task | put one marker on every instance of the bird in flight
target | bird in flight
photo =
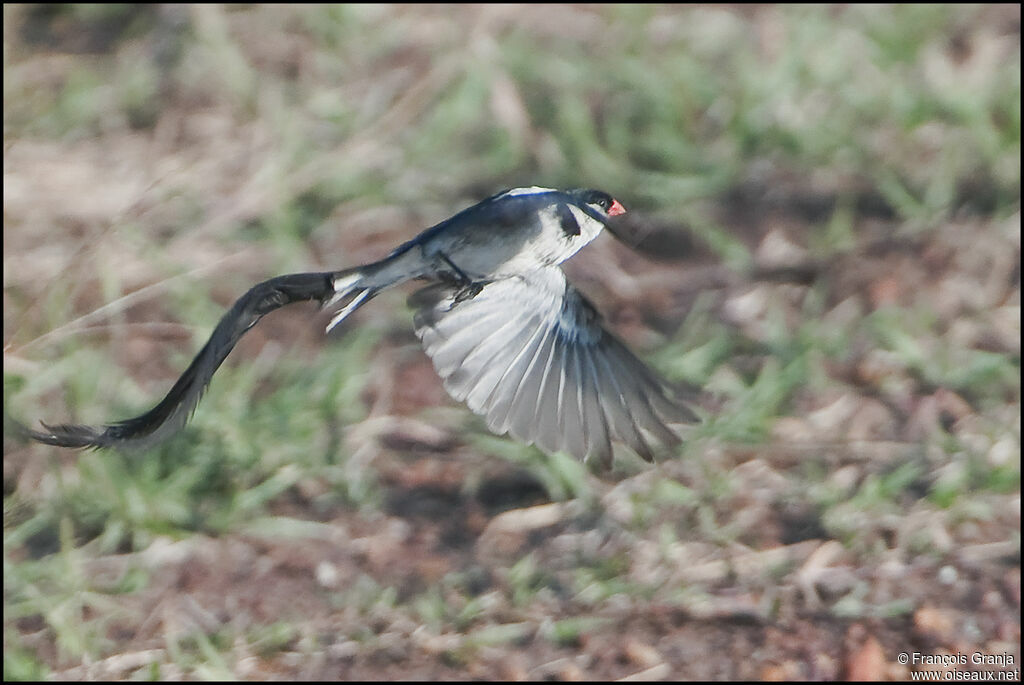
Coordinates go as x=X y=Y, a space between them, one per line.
x=506 y=332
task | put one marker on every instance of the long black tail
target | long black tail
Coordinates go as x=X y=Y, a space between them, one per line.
x=175 y=409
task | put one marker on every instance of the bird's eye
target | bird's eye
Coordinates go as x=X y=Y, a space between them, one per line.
x=597 y=199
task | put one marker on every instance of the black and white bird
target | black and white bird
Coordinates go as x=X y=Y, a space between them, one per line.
x=506 y=332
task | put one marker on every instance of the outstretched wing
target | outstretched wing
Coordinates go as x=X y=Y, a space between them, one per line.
x=529 y=354
x=174 y=410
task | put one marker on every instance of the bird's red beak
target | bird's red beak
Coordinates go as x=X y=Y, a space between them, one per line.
x=616 y=209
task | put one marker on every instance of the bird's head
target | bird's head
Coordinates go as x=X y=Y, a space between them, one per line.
x=598 y=201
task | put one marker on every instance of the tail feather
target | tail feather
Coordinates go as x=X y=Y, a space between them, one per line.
x=174 y=410
x=350 y=288
x=355 y=287
x=349 y=285
x=361 y=297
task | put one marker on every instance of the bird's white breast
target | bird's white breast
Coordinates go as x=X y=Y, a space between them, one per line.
x=551 y=244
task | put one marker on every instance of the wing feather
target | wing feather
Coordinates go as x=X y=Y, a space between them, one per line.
x=598 y=439
x=546 y=416
x=530 y=355
x=570 y=417
x=529 y=393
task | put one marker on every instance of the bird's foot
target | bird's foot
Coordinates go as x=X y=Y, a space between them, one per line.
x=467 y=292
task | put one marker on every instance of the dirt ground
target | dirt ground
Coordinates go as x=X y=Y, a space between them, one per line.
x=761 y=607
x=825 y=548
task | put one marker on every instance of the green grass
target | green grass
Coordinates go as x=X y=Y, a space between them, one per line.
x=196 y=151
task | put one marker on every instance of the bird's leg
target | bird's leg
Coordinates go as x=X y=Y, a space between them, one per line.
x=457 y=275
x=468 y=289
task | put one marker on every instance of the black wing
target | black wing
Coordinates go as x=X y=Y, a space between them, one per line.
x=529 y=354
x=174 y=410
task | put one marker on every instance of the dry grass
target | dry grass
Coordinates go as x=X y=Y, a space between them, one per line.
x=829 y=207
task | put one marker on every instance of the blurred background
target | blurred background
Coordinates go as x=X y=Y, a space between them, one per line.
x=825 y=203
